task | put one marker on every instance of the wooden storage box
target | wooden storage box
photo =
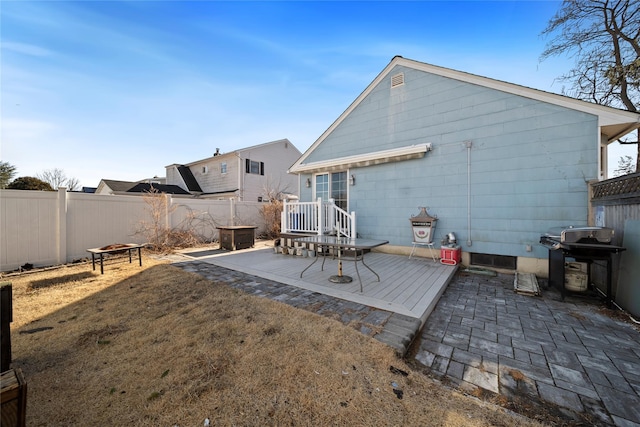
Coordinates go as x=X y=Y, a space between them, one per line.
x=237 y=237
x=14 y=398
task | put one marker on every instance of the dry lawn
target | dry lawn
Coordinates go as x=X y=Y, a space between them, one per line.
x=156 y=346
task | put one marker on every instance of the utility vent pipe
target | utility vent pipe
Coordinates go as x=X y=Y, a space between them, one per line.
x=468 y=144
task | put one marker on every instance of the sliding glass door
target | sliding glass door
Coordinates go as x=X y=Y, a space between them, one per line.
x=332 y=186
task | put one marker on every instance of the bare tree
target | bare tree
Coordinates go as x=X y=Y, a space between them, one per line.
x=57 y=178
x=625 y=166
x=195 y=229
x=72 y=184
x=603 y=36
x=271 y=211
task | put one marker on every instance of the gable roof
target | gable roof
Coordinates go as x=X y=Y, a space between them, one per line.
x=614 y=123
x=238 y=152
x=115 y=185
x=140 y=187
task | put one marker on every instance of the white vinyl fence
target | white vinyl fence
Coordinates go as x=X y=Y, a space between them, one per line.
x=49 y=228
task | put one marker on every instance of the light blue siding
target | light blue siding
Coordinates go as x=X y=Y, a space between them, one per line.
x=530 y=163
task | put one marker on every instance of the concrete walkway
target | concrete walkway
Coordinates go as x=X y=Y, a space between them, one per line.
x=572 y=353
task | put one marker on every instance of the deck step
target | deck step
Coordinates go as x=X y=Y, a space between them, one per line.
x=526 y=284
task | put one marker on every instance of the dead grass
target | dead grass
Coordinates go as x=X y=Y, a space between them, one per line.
x=156 y=346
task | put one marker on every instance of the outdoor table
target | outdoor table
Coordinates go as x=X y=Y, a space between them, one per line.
x=112 y=249
x=358 y=246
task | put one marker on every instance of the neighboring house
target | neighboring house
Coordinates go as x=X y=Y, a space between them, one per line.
x=497 y=163
x=249 y=174
x=128 y=188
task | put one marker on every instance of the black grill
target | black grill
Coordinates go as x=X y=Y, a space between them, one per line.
x=583 y=244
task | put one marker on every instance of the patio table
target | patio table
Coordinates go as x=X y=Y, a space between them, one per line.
x=358 y=246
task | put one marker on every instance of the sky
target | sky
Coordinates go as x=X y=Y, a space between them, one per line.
x=119 y=90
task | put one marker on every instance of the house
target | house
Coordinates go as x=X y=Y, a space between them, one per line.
x=129 y=188
x=249 y=174
x=497 y=163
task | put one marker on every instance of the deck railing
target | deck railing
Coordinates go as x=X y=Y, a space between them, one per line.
x=317 y=218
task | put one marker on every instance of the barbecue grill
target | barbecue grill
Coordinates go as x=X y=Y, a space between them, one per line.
x=583 y=244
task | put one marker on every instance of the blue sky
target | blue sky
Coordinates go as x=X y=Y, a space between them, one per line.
x=119 y=90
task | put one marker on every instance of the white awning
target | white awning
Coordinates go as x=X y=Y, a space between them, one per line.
x=362 y=160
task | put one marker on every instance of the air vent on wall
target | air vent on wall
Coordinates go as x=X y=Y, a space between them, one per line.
x=397 y=80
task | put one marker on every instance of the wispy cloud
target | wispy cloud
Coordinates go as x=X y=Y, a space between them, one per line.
x=25 y=48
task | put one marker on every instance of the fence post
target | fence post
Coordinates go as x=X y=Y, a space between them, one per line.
x=62 y=225
x=167 y=212
x=231 y=222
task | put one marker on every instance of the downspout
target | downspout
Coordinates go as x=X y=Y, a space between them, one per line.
x=468 y=145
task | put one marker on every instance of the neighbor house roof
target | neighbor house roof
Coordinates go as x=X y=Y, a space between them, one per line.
x=189 y=180
x=141 y=187
x=237 y=152
x=144 y=187
x=118 y=185
x=614 y=123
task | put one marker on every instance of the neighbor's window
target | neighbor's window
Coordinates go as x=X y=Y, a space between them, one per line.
x=223 y=167
x=205 y=169
x=254 y=167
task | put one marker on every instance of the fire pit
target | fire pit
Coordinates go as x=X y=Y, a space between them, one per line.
x=583 y=244
x=114 y=249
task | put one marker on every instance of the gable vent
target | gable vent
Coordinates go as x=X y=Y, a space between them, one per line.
x=397 y=80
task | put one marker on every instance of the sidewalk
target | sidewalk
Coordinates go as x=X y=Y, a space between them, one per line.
x=572 y=353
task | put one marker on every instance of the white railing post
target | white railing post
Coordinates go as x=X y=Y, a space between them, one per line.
x=319 y=209
x=332 y=218
x=283 y=217
x=352 y=231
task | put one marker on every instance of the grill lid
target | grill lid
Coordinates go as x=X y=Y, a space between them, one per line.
x=572 y=234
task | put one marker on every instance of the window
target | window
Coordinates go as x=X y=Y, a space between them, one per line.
x=205 y=169
x=223 y=167
x=253 y=167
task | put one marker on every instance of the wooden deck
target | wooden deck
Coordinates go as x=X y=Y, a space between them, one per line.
x=410 y=287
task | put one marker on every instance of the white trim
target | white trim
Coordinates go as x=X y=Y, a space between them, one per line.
x=608 y=115
x=617 y=122
x=360 y=160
